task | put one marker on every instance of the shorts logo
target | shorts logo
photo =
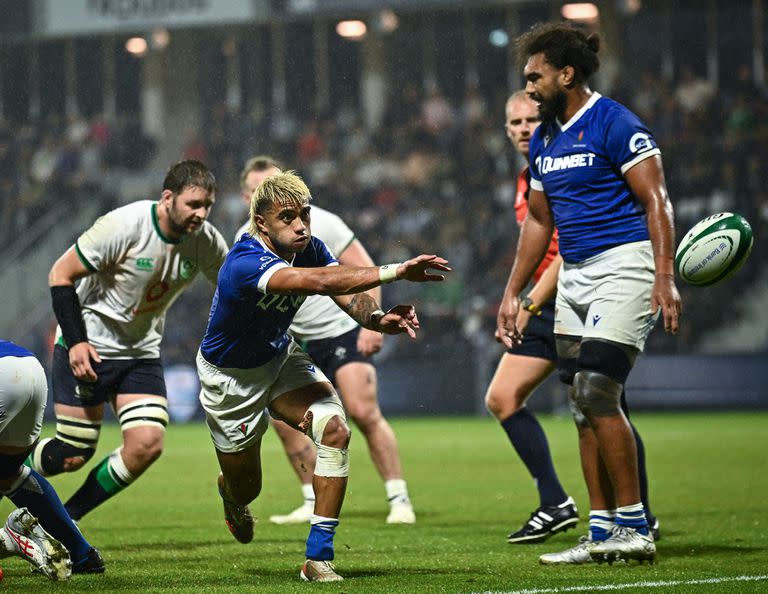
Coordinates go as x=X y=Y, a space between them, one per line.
x=187 y=268
x=595 y=319
x=311 y=368
x=340 y=352
x=243 y=428
x=83 y=391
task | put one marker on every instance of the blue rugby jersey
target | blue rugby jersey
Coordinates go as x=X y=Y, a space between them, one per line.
x=247 y=326
x=580 y=166
x=9 y=349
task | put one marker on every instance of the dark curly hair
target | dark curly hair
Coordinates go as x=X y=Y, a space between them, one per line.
x=562 y=45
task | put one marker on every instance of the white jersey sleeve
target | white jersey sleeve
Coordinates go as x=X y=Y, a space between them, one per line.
x=319 y=317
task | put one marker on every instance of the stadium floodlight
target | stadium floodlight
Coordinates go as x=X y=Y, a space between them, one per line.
x=388 y=21
x=137 y=46
x=580 y=11
x=160 y=39
x=498 y=38
x=352 y=30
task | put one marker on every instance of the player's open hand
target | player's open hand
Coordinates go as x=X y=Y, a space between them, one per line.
x=417 y=269
x=666 y=296
x=506 y=322
x=80 y=356
x=401 y=319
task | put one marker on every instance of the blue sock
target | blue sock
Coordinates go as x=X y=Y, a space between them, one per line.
x=320 y=539
x=601 y=522
x=632 y=516
x=530 y=442
x=35 y=493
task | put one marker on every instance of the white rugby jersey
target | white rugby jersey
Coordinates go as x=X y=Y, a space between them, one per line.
x=137 y=275
x=319 y=316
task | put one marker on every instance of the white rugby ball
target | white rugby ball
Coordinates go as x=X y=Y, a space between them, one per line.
x=714 y=249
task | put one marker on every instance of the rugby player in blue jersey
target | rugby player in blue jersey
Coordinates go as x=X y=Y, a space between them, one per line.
x=596 y=174
x=40 y=531
x=248 y=362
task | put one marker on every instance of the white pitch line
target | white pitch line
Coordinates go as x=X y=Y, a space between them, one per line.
x=659 y=584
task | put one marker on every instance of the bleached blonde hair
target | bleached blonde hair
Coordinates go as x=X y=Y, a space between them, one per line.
x=282 y=189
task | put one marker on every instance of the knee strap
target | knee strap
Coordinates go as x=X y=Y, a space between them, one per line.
x=147 y=412
x=333 y=462
x=49 y=455
x=320 y=412
x=596 y=394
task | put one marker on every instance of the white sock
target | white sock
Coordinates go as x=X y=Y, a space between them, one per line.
x=397 y=491
x=308 y=493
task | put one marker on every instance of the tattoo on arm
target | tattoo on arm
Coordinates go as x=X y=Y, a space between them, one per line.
x=361 y=307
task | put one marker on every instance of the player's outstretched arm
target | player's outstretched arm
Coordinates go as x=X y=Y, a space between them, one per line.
x=66 y=306
x=362 y=308
x=345 y=280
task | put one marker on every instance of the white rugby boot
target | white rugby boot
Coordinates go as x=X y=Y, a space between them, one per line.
x=25 y=537
x=401 y=513
x=301 y=515
x=578 y=555
x=319 y=571
x=624 y=544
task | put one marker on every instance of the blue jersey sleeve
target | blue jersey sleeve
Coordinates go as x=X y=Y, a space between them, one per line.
x=534 y=151
x=627 y=140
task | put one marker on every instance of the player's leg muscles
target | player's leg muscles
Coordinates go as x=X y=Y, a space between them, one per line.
x=298 y=447
x=515 y=380
x=242 y=473
x=598 y=385
x=77 y=435
x=316 y=410
x=358 y=389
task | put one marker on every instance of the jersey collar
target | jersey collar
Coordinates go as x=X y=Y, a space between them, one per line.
x=260 y=239
x=590 y=102
x=156 y=225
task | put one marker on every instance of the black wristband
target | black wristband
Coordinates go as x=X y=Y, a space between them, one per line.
x=66 y=307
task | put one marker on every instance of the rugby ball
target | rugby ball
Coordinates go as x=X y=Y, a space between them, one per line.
x=713 y=249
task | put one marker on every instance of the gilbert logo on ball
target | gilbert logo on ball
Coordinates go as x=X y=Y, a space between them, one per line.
x=714 y=249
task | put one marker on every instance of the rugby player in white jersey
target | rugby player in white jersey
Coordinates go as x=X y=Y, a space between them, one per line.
x=596 y=175
x=132 y=264
x=343 y=350
x=248 y=363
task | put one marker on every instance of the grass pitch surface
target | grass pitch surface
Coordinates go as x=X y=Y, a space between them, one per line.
x=709 y=488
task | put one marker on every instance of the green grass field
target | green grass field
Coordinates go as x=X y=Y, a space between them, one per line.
x=166 y=534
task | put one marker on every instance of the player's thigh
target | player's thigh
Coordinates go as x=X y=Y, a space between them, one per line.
x=23 y=396
x=516 y=377
x=291 y=406
x=623 y=281
x=358 y=387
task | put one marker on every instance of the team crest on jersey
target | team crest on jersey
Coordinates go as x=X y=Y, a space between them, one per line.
x=144 y=263
x=187 y=268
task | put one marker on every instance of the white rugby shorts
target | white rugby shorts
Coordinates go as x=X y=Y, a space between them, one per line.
x=23 y=396
x=608 y=296
x=235 y=400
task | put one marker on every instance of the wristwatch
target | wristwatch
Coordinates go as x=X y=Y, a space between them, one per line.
x=527 y=304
